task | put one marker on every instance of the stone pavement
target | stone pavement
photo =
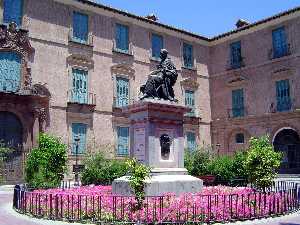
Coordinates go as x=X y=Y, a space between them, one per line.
x=9 y=217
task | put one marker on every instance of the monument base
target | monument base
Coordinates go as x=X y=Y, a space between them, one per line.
x=159 y=184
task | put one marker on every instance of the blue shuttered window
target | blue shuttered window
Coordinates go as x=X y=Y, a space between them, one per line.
x=123 y=141
x=122 y=92
x=157 y=45
x=238 y=103
x=79 y=89
x=10 y=71
x=122 y=38
x=191 y=141
x=280 y=47
x=188 y=58
x=283 y=95
x=80 y=27
x=235 y=55
x=79 y=130
x=13 y=11
x=190 y=101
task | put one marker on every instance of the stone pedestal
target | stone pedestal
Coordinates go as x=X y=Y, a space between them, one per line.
x=157 y=140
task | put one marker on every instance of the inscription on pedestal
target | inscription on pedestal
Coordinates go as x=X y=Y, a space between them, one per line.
x=139 y=144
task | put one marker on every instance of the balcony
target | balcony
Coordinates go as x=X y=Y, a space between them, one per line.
x=81 y=98
x=284 y=105
x=280 y=52
x=89 y=42
x=238 y=112
x=232 y=65
x=128 y=51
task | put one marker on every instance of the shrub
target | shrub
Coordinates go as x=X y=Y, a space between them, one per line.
x=46 y=164
x=196 y=162
x=222 y=168
x=100 y=170
x=238 y=165
x=262 y=162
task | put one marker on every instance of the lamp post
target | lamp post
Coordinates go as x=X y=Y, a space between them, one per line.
x=76 y=139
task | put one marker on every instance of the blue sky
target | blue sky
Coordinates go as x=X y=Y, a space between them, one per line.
x=205 y=17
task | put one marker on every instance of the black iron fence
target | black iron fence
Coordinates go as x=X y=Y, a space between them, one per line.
x=199 y=208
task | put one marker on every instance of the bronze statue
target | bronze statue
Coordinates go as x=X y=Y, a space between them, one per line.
x=161 y=81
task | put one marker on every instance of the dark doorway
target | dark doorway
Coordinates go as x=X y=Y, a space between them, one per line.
x=11 y=132
x=288 y=142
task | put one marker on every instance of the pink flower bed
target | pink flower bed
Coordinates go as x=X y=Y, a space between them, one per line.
x=96 y=203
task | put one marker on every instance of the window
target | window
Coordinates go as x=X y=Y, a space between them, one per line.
x=122 y=92
x=238 y=103
x=191 y=141
x=190 y=101
x=283 y=95
x=157 y=45
x=80 y=27
x=13 y=11
x=79 y=131
x=123 y=141
x=122 y=39
x=235 y=55
x=188 y=59
x=10 y=71
x=79 y=92
x=239 y=138
x=280 y=47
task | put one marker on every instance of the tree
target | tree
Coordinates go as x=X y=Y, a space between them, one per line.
x=46 y=164
x=262 y=162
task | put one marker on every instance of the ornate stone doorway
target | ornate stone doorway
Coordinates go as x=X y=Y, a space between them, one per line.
x=11 y=136
x=288 y=142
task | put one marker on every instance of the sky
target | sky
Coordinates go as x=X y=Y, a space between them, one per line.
x=205 y=17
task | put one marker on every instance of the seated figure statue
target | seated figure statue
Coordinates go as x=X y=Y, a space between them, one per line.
x=161 y=81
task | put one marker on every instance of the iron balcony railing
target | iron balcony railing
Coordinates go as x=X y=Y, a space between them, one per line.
x=80 y=97
x=284 y=105
x=89 y=41
x=237 y=112
x=9 y=85
x=280 y=52
x=231 y=65
x=128 y=51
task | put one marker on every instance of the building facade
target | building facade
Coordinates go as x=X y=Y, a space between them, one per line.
x=67 y=68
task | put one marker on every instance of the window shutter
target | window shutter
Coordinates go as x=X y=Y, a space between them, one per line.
x=283 y=95
x=79 y=130
x=13 y=11
x=80 y=88
x=123 y=140
x=279 y=42
x=191 y=141
x=238 y=103
x=122 y=92
x=122 y=38
x=188 y=55
x=235 y=54
x=10 y=71
x=157 y=45
x=80 y=27
x=190 y=101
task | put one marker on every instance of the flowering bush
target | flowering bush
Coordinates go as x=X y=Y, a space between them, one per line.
x=97 y=203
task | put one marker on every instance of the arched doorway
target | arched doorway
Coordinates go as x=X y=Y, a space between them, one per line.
x=288 y=142
x=11 y=136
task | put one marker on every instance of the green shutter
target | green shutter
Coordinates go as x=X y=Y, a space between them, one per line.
x=122 y=38
x=188 y=58
x=283 y=95
x=122 y=92
x=13 y=11
x=123 y=140
x=190 y=101
x=80 y=88
x=10 y=71
x=79 y=130
x=80 y=27
x=157 y=45
x=235 y=54
x=279 y=42
x=238 y=103
x=191 y=141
